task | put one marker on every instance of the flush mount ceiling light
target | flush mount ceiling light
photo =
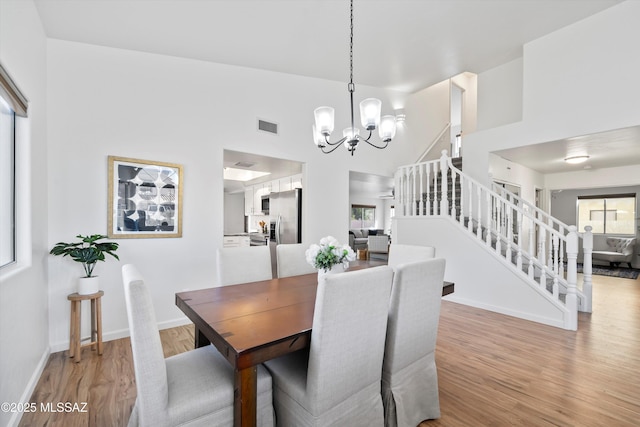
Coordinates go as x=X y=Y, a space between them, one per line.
x=369 y=116
x=574 y=160
x=235 y=174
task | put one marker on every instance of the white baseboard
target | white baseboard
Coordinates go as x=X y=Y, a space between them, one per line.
x=123 y=333
x=31 y=386
x=558 y=323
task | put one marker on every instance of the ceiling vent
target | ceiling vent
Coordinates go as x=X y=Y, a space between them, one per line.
x=245 y=165
x=265 y=126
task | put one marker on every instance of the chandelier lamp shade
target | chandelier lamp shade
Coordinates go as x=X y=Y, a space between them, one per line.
x=370 y=119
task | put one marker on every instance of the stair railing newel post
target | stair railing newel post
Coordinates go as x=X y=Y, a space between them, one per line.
x=571 y=301
x=587 y=286
x=444 y=168
x=453 y=192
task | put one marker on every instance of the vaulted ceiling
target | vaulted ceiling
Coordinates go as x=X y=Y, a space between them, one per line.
x=400 y=44
x=404 y=45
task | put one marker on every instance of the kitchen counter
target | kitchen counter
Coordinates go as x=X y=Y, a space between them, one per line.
x=236 y=240
x=259 y=239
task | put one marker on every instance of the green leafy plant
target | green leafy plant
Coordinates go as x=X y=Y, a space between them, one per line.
x=88 y=251
x=329 y=253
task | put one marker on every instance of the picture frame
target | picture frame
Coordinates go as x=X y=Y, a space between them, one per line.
x=145 y=199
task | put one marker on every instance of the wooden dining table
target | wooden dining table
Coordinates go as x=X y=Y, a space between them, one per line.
x=251 y=323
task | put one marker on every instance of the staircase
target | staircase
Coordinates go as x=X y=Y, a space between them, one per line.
x=432 y=198
x=539 y=248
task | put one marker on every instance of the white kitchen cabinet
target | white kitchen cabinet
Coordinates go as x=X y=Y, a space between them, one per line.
x=236 y=241
x=253 y=194
x=285 y=184
x=248 y=201
x=290 y=182
x=296 y=181
x=259 y=191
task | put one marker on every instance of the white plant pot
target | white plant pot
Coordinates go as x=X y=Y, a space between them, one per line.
x=88 y=285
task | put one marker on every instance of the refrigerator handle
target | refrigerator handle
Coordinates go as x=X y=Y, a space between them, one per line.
x=278 y=223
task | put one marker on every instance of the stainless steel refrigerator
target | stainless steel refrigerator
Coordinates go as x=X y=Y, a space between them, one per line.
x=285 y=210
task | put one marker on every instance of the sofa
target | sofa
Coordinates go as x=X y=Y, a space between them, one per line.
x=359 y=237
x=614 y=250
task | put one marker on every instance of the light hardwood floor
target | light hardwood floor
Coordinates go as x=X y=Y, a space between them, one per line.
x=494 y=370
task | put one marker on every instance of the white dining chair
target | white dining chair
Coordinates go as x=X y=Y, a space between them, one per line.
x=401 y=254
x=291 y=260
x=193 y=388
x=243 y=265
x=336 y=382
x=409 y=376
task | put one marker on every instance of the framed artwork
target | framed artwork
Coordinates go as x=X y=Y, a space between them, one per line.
x=145 y=199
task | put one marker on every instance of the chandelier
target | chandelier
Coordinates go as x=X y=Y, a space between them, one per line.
x=369 y=117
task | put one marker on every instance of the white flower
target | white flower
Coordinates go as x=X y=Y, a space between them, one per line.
x=312 y=253
x=329 y=253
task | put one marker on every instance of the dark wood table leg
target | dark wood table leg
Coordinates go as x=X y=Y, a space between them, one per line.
x=245 y=397
x=199 y=339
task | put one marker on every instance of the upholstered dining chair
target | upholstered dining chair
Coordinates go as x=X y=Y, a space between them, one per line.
x=291 y=260
x=193 y=388
x=336 y=382
x=378 y=245
x=243 y=265
x=401 y=254
x=409 y=376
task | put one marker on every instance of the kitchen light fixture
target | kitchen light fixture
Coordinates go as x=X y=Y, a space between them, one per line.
x=574 y=160
x=236 y=174
x=369 y=116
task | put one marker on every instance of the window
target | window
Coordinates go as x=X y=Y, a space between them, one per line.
x=363 y=216
x=7 y=184
x=12 y=104
x=609 y=214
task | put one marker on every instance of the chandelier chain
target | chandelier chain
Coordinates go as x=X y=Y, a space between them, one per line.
x=370 y=110
x=351 y=86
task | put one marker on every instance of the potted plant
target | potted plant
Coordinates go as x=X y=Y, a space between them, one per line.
x=88 y=251
x=329 y=256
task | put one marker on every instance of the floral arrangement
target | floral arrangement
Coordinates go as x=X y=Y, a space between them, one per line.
x=329 y=253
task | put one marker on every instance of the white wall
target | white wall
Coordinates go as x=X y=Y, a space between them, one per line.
x=506 y=171
x=23 y=288
x=481 y=279
x=233 y=213
x=105 y=101
x=469 y=83
x=578 y=80
x=594 y=178
x=427 y=114
x=500 y=95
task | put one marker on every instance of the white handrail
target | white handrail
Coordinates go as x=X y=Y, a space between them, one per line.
x=516 y=233
x=539 y=212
